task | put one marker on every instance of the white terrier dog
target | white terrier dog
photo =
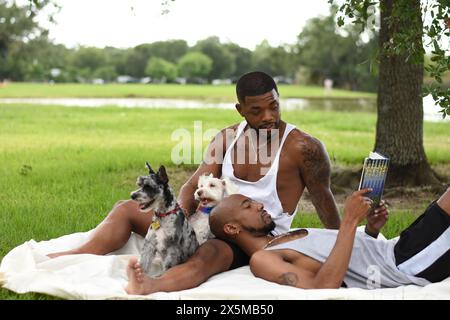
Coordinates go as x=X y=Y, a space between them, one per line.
x=209 y=192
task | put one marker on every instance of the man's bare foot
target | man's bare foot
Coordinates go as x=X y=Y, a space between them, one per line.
x=138 y=282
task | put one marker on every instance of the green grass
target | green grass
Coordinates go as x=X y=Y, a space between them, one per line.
x=83 y=160
x=222 y=92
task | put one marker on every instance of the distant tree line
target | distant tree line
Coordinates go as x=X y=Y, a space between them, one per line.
x=322 y=51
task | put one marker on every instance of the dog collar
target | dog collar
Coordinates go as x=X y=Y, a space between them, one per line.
x=206 y=210
x=165 y=214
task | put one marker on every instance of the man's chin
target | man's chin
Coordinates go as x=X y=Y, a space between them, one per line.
x=270 y=227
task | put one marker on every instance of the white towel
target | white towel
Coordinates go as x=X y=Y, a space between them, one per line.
x=27 y=269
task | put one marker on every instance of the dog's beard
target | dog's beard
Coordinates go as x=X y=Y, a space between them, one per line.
x=209 y=198
x=158 y=205
x=146 y=207
x=207 y=202
x=147 y=204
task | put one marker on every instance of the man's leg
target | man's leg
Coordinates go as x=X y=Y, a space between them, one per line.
x=212 y=257
x=444 y=201
x=113 y=232
x=423 y=249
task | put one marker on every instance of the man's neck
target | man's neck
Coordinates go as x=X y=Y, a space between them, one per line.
x=251 y=243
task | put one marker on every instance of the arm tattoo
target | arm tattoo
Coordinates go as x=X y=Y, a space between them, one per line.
x=288 y=278
x=316 y=172
x=316 y=165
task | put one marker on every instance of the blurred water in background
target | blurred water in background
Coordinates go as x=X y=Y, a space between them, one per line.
x=431 y=111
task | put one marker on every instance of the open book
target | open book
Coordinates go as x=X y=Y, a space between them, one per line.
x=374 y=176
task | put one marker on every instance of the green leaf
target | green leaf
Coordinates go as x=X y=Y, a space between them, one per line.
x=435 y=58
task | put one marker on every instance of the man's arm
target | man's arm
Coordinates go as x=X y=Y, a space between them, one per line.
x=212 y=163
x=315 y=170
x=333 y=271
x=272 y=266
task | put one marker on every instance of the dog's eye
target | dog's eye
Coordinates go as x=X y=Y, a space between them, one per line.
x=212 y=185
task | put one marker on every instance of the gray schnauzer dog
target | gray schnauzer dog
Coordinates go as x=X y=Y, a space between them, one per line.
x=170 y=240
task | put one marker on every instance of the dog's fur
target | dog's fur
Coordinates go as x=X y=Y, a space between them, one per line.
x=209 y=192
x=170 y=240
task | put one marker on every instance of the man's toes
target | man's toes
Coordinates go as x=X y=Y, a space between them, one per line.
x=132 y=262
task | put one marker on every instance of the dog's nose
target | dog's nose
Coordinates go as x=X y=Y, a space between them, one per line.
x=199 y=193
x=133 y=196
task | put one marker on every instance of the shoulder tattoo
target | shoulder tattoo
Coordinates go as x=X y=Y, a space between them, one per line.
x=315 y=161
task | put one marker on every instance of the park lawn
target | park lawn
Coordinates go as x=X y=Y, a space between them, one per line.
x=209 y=92
x=64 y=168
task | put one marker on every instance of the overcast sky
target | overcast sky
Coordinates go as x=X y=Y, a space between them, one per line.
x=127 y=23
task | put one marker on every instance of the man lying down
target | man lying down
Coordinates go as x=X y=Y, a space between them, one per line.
x=324 y=258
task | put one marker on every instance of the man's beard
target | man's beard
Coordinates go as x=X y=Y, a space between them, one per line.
x=265 y=135
x=261 y=231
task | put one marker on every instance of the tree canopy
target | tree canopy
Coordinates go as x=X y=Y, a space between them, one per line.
x=321 y=51
x=435 y=32
x=341 y=55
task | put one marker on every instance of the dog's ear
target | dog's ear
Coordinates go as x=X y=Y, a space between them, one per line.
x=150 y=170
x=163 y=175
x=201 y=180
x=230 y=187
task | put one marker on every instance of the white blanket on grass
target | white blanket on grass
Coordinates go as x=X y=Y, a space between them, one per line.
x=27 y=269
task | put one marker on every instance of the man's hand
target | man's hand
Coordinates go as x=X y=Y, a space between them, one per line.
x=377 y=219
x=357 y=206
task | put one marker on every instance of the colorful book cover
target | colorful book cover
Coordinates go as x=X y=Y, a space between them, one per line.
x=374 y=176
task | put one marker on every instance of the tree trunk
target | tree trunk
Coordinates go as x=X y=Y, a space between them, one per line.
x=399 y=133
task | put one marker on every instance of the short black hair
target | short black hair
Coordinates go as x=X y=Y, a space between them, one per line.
x=254 y=84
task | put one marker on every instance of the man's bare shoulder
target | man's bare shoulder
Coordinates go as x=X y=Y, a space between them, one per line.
x=303 y=144
x=311 y=157
x=230 y=129
x=226 y=135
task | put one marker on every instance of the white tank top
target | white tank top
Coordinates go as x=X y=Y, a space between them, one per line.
x=372 y=263
x=265 y=189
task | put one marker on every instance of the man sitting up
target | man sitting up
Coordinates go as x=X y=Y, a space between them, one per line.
x=323 y=258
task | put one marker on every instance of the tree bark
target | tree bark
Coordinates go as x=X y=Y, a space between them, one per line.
x=399 y=132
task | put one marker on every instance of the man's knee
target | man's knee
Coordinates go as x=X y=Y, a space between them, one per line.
x=127 y=204
x=444 y=201
x=118 y=203
x=123 y=209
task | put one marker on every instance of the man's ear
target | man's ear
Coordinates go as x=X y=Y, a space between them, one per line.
x=230 y=229
x=163 y=175
x=239 y=109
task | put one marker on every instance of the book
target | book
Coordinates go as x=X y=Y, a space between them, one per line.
x=374 y=176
